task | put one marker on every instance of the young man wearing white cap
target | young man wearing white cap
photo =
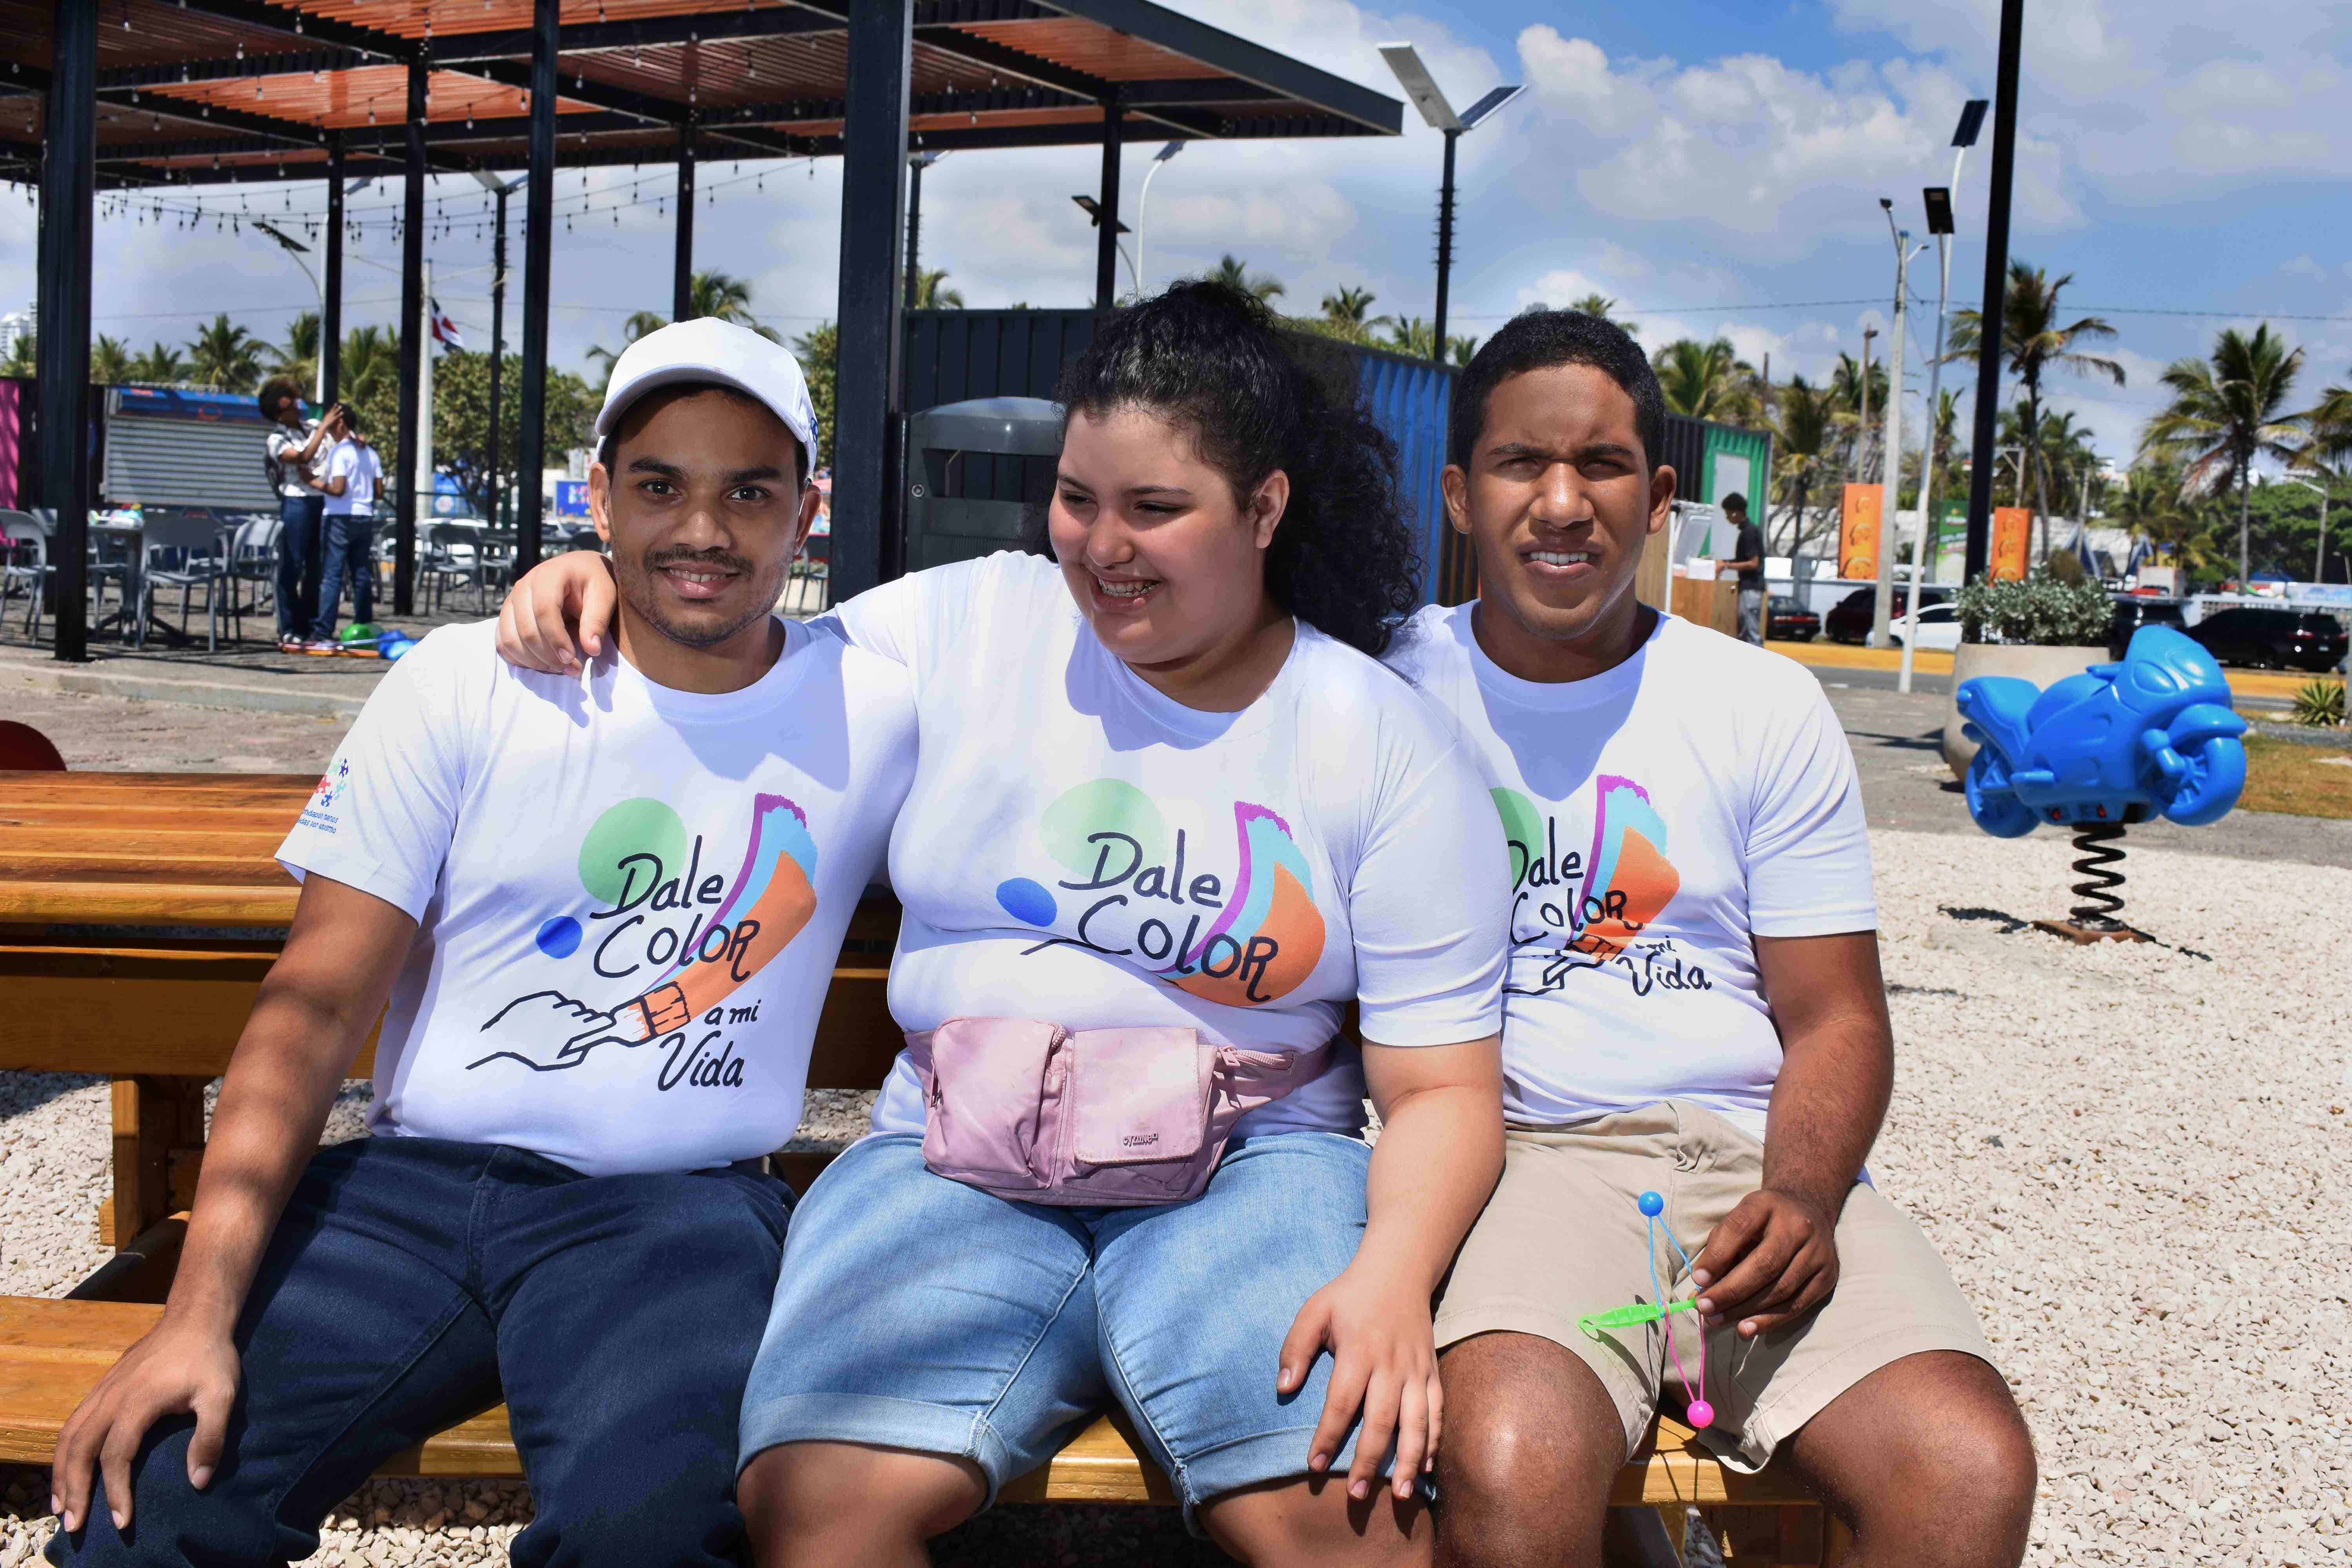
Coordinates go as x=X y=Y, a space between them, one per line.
x=605 y=923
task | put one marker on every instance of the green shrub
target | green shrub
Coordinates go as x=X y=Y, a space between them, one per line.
x=2042 y=610
x=2320 y=703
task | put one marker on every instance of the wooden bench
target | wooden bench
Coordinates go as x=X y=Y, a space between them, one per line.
x=92 y=865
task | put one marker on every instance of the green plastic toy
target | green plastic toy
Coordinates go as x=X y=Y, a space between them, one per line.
x=1634 y=1316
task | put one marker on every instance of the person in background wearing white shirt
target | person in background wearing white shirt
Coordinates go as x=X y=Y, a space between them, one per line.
x=288 y=455
x=354 y=476
x=1693 y=1009
x=604 y=915
x=1167 y=802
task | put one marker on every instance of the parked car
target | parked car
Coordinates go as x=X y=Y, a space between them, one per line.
x=1786 y=620
x=1849 y=619
x=2132 y=612
x=2281 y=639
x=1938 y=627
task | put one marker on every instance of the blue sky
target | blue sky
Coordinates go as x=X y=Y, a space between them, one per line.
x=1700 y=161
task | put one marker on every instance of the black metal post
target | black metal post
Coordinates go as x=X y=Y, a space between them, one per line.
x=412 y=346
x=914 y=228
x=61 y=352
x=1983 y=457
x=330 y=313
x=498 y=346
x=538 y=245
x=1444 y=247
x=1106 y=230
x=681 y=288
x=873 y=226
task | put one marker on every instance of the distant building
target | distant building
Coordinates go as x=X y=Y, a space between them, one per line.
x=15 y=325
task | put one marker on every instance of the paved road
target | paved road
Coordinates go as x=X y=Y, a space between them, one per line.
x=1897 y=744
x=1838 y=678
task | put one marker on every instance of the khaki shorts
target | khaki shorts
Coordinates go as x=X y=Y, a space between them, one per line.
x=1562 y=1236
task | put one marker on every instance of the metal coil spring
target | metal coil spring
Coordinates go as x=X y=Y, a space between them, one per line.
x=2095 y=841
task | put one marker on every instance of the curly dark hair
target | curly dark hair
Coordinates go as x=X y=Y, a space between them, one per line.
x=1538 y=340
x=1212 y=358
x=276 y=390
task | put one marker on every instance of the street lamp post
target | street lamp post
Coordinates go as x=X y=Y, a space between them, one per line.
x=1093 y=209
x=501 y=190
x=1142 y=198
x=1883 y=602
x=1422 y=88
x=1939 y=224
x=2319 y=552
x=916 y=163
x=297 y=249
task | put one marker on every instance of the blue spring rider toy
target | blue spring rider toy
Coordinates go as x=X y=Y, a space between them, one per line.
x=2153 y=735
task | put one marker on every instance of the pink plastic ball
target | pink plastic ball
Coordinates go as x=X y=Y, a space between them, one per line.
x=1701 y=1413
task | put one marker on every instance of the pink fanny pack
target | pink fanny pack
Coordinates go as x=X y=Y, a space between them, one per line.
x=1028 y=1110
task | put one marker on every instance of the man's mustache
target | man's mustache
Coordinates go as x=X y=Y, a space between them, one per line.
x=680 y=555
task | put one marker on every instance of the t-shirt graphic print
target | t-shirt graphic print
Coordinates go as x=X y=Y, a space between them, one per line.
x=1136 y=883
x=630 y=899
x=1659 y=817
x=680 y=938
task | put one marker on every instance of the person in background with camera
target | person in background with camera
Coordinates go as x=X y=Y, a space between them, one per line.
x=288 y=454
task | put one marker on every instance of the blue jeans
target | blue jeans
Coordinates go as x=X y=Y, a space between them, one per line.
x=414 y=1282
x=298 y=564
x=992 y=1330
x=350 y=556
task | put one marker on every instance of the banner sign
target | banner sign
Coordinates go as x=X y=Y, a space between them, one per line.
x=2012 y=535
x=1858 y=521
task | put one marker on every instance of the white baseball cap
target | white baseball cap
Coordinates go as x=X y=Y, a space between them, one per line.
x=706 y=349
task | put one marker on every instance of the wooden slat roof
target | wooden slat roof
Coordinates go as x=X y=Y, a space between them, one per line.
x=210 y=89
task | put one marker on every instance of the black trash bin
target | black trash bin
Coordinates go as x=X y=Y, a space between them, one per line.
x=975 y=472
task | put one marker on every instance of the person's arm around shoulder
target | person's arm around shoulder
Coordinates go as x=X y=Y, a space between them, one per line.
x=313 y=1012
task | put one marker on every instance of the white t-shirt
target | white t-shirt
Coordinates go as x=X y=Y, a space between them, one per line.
x=1657 y=814
x=286 y=469
x=357 y=467
x=1078 y=848
x=630 y=899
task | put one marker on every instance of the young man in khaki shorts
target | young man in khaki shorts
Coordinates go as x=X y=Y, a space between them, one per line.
x=1694 y=1008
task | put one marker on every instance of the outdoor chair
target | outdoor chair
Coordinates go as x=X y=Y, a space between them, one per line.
x=252 y=558
x=814 y=566
x=451 y=555
x=27 y=564
x=187 y=552
x=112 y=557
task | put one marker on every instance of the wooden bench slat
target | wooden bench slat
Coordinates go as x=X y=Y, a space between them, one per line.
x=15 y=781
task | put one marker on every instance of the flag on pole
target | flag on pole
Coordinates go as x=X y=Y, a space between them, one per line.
x=445 y=331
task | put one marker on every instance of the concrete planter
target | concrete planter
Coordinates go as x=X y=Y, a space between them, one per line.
x=2039 y=665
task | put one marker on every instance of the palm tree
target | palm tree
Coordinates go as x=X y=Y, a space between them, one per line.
x=1416 y=335
x=1706 y=381
x=110 y=362
x=929 y=293
x=223 y=357
x=2032 y=344
x=1600 y=305
x=638 y=324
x=1349 y=308
x=296 y=358
x=1236 y=273
x=161 y=362
x=719 y=295
x=2148 y=507
x=1801 y=436
x=2330 y=424
x=371 y=360
x=2226 y=412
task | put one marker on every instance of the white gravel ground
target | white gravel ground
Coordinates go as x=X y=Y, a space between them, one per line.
x=2133 y=1156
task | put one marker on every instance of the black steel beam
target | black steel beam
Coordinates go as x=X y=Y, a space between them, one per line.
x=732 y=25
x=117 y=79
x=538 y=249
x=412 y=349
x=1976 y=555
x=873 y=218
x=61 y=352
x=1240 y=58
x=331 y=316
x=681 y=284
x=498 y=344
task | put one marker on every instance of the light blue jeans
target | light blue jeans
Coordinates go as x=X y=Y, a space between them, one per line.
x=917 y=1312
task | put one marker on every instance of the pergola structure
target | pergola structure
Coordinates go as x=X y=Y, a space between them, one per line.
x=140 y=94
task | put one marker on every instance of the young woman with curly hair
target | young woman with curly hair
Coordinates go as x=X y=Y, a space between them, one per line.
x=1169 y=818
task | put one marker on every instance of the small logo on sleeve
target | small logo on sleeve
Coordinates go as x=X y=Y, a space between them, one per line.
x=334 y=785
